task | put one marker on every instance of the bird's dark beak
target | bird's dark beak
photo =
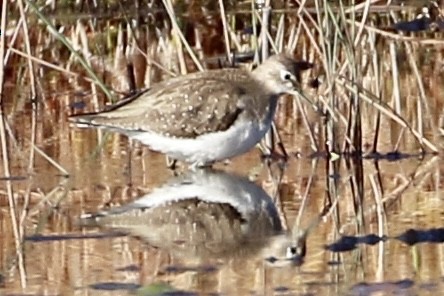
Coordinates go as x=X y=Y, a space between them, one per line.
x=295 y=83
x=298 y=68
x=299 y=93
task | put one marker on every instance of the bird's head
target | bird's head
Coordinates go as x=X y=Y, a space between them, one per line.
x=281 y=73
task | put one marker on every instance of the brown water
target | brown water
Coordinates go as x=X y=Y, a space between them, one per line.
x=58 y=257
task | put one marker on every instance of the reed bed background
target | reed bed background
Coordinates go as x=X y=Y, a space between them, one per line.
x=377 y=93
x=365 y=70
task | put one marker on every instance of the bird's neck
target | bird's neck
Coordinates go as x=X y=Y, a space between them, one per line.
x=271 y=108
x=264 y=108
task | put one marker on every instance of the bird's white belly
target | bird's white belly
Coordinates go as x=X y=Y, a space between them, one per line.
x=236 y=140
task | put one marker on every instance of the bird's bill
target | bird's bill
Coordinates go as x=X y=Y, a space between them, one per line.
x=299 y=93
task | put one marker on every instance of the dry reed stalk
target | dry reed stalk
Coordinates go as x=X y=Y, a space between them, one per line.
x=365 y=14
x=430 y=178
x=398 y=37
x=50 y=160
x=388 y=111
x=361 y=6
x=422 y=101
x=265 y=36
x=65 y=42
x=338 y=46
x=169 y=8
x=254 y=43
x=33 y=89
x=269 y=140
x=150 y=61
x=399 y=140
x=265 y=30
x=2 y=50
x=376 y=66
x=13 y=39
x=198 y=45
x=11 y=201
x=303 y=12
x=31 y=162
x=420 y=120
x=83 y=45
x=226 y=33
x=119 y=48
x=395 y=79
x=279 y=39
x=294 y=36
x=308 y=127
x=49 y=65
x=234 y=40
x=18 y=234
x=28 y=49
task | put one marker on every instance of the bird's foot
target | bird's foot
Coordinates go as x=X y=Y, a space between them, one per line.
x=275 y=156
x=201 y=165
x=171 y=163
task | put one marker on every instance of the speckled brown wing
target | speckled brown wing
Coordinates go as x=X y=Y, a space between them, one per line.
x=184 y=108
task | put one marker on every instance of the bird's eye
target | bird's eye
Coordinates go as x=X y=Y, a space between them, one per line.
x=291 y=252
x=286 y=76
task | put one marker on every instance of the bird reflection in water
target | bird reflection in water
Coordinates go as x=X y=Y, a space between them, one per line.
x=206 y=214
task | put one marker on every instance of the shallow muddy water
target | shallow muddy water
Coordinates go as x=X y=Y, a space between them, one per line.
x=216 y=232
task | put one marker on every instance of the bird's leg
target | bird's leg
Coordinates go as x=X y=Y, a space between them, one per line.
x=205 y=165
x=201 y=165
x=282 y=148
x=279 y=142
x=268 y=146
x=171 y=163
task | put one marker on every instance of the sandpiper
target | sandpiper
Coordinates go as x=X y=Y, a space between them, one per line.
x=207 y=116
